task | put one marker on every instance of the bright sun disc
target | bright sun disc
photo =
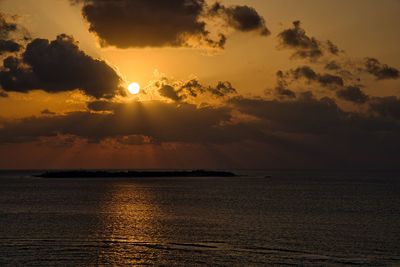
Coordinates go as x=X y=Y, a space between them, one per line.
x=134 y=88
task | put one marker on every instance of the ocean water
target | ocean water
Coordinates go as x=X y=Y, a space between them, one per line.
x=310 y=218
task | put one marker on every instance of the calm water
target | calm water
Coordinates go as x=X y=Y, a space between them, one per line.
x=308 y=218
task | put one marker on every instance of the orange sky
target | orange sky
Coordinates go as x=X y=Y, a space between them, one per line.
x=247 y=65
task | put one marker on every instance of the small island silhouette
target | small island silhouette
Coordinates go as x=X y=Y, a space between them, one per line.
x=133 y=174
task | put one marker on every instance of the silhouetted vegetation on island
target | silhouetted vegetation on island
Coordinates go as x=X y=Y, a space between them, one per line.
x=134 y=174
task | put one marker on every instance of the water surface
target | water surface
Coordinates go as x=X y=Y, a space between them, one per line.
x=295 y=217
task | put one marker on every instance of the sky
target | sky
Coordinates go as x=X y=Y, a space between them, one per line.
x=234 y=84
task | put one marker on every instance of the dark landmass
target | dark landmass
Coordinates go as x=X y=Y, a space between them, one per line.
x=134 y=174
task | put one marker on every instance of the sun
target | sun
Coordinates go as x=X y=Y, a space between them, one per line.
x=134 y=88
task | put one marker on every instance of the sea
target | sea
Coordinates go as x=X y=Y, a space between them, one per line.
x=262 y=218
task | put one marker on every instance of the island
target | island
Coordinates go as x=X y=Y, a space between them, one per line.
x=134 y=174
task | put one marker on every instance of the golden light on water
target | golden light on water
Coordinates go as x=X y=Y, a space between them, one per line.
x=134 y=88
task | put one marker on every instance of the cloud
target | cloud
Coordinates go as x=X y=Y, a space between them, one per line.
x=47 y=112
x=241 y=18
x=292 y=77
x=159 y=23
x=330 y=80
x=326 y=80
x=59 y=66
x=169 y=92
x=345 y=92
x=332 y=65
x=352 y=94
x=298 y=116
x=281 y=90
x=305 y=127
x=222 y=89
x=101 y=105
x=142 y=23
x=347 y=71
x=284 y=92
x=387 y=107
x=163 y=122
x=8 y=46
x=183 y=122
x=381 y=71
x=7 y=28
x=192 y=89
x=305 y=46
x=304 y=72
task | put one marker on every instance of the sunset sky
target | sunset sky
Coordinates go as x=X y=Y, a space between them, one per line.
x=228 y=84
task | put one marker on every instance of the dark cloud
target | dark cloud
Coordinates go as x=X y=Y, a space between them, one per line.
x=193 y=89
x=332 y=65
x=7 y=28
x=306 y=115
x=101 y=105
x=381 y=71
x=222 y=89
x=317 y=129
x=289 y=78
x=158 y=23
x=344 y=92
x=296 y=38
x=321 y=130
x=305 y=46
x=282 y=92
x=125 y=23
x=47 y=112
x=326 y=80
x=173 y=123
x=9 y=46
x=241 y=18
x=307 y=95
x=387 y=107
x=352 y=94
x=304 y=72
x=169 y=92
x=59 y=66
x=329 y=80
x=182 y=122
x=332 y=48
